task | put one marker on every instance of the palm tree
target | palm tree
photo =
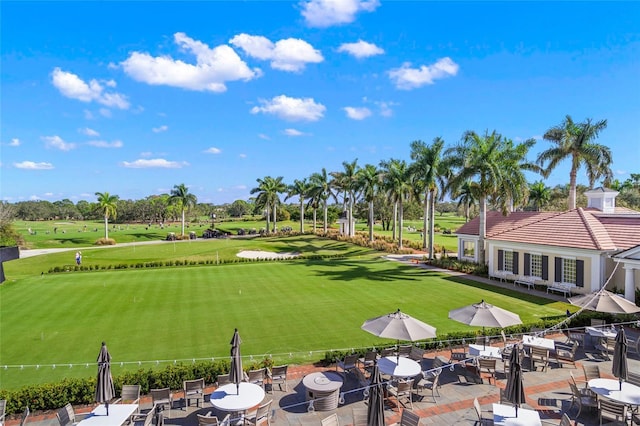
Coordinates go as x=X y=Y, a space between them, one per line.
x=514 y=189
x=301 y=189
x=347 y=181
x=429 y=172
x=539 y=194
x=321 y=189
x=465 y=196
x=181 y=197
x=490 y=162
x=396 y=181
x=575 y=141
x=107 y=204
x=369 y=181
x=268 y=189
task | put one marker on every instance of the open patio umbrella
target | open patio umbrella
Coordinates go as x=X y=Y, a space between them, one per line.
x=104 y=386
x=375 y=409
x=236 y=374
x=400 y=326
x=619 y=367
x=485 y=315
x=514 y=390
x=605 y=301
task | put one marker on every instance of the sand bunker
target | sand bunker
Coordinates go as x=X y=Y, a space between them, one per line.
x=258 y=254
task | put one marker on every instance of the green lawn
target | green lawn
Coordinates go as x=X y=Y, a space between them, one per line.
x=280 y=308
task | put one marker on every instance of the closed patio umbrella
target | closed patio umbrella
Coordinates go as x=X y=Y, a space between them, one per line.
x=375 y=409
x=104 y=386
x=605 y=301
x=236 y=374
x=619 y=366
x=514 y=390
x=485 y=315
x=399 y=326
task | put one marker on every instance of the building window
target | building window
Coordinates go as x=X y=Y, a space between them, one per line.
x=468 y=249
x=536 y=265
x=508 y=261
x=568 y=271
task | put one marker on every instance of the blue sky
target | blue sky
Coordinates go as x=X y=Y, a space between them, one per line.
x=134 y=97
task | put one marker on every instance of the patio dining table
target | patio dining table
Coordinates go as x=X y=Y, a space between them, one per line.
x=539 y=342
x=399 y=366
x=610 y=388
x=485 y=351
x=505 y=415
x=118 y=415
x=230 y=399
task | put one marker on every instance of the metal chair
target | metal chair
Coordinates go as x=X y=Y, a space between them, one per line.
x=348 y=363
x=566 y=354
x=431 y=383
x=25 y=416
x=66 y=416
x=408 y=418
x=3 y=408
x=222 y=379
x=482 y=415
x=278 y=375
x=369 y=359
x=606 y=347
x=160 y=397
x=402 y=392
x=540 y=355
x=633 y=378
x=359 y=416
x=581 y=400
x=261 y=416
x=257 y=377
x=486 y=366
x=591 y=372
x=144 y=419
x=193 y=389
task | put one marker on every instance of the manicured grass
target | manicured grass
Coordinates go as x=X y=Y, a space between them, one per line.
x=280 y=308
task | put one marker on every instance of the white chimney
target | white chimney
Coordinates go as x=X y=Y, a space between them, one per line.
x=603 y=199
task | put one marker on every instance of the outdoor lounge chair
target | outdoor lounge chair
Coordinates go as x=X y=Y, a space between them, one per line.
x=193 y=389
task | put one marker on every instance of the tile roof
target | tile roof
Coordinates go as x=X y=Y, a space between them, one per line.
x=578 y=228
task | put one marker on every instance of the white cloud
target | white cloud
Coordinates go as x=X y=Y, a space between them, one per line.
x=407 y=78
x=291 y=54
x=88 y=132
x=14 y=142
x=105 y=112
x=154 y=163
x=48 y=194
x=357 y=113
x=385 y=108
x=292 y=132
x=213 y=150
x=105 y=144
x=242 y=155
x=291 y=109
x=30 y=165
x=361 y=49
x=263 y=136
x=58 y=143
x=160 y=129
x=72 y=86
x=325 y=13
x=34 y=198
x=213 y=67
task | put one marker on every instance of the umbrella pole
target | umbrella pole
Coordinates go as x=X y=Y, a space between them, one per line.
x=484 y=339
x=106 y=404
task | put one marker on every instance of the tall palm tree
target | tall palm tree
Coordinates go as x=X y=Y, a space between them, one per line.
x=268 y=189
x=322 y=189
x=181 y=197
x=347 y=181
x=466 y=198
x=539 y=194
x=490 y=162
x=575 y=141
x=301 y=189
x=396 y=181
x=429 y=172
x=369 y=181
x=107 y=204
x=514 y=189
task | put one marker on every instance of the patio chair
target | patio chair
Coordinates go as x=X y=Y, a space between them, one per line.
x=566 y=354
x=193 y=389
x=369 y=359
x=612 y=410
x=633 y=346
x=404 y=350
x=210 y=420
x=160 y=397
x=484 y=417
x=633 y=378
x=581 y=400
x=487 y=366
x=67 y=416
x=222 y=379
x=3 y=408
x=606 y=347
x=457 y=355
x=387 y=352
x=564 y=421
x=348 y=363
x=408 y=418
x=332 y=420
x=590 y=372
x=257 y=377
x=596 y=322
x=403 y=391
x=261 y=416
x=431 y=383
x=503 y=398
x=585 y=390
x=359 y=416
x=417 y=354
x=144 y=419
x=539 y=355
x=25 y=416
x=278 y=375
x=130 y=394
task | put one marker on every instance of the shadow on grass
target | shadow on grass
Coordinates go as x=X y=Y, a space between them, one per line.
x=349 y=270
